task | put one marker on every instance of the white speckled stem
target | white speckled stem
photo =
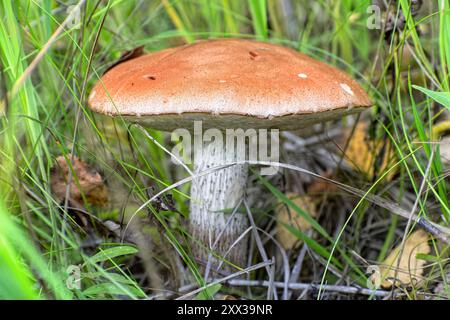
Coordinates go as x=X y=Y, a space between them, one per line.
x=211 y=194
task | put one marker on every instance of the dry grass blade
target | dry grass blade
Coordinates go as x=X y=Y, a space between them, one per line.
x=260 y=246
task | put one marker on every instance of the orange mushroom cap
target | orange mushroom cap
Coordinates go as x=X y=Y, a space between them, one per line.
x=227 y=83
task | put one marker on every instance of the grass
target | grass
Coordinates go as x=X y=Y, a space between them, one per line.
x=45 y=116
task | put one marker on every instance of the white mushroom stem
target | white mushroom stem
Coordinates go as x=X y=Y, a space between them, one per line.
x=211 y=195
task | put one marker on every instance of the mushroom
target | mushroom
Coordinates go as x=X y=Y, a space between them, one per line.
x=225 y=84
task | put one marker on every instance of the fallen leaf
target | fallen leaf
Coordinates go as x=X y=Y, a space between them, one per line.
x=321 y=186
x=444 y=148
x=86 y=184
x=127 y=55
x=410 y=269
x=285 y=216
x=363 y=153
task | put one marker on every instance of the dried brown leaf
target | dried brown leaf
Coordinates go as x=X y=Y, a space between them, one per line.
x=86 y=184
x=321 y=186
x=363 y=153
x=127 y=55
x=410 y=269
x=285 y=216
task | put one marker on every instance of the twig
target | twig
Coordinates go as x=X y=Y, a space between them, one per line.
x=259 y=244
x=297 y=268
x=244 y=234
x=224 y=279
x=297 y=142
x=271 y=288
x=303 y=286
x=285 y=262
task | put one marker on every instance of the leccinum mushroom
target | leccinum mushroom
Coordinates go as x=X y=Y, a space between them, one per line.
x=228 y=83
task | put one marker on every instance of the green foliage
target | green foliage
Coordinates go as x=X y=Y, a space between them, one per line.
x=108 y=254
x=258 y=9
x=441 y=97
x=16 y=279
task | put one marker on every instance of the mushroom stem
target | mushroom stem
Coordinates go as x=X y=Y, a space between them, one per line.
x=213 y=197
